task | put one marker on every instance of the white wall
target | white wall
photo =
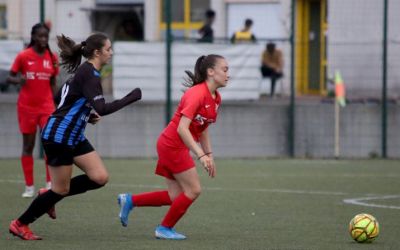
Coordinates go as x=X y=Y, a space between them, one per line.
x=143 y=65
x=71 y=20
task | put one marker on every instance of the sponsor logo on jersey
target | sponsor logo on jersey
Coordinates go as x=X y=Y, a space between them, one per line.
x=30 y=75
x=46 y=64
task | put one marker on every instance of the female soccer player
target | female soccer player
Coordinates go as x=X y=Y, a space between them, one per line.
x=63 y=136
x=196 y=111
x=39 y=68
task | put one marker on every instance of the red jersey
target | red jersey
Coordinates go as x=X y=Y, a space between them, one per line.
x=36 y=95
x=198 y=105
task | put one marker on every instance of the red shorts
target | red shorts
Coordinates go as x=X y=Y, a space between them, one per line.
x=172 y=160
x=29 y=121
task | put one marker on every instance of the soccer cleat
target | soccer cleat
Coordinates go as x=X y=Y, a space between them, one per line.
x=29 y=192
x=52 y=211
x=126 y=205
x=22 y=231
x=168 y=233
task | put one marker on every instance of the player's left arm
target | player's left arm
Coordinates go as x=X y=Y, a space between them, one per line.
x=53 y=85
x=187 y=138
x=205 y=143
x=53 y=78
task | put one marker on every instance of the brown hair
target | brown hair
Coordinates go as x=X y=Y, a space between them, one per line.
x=200 y=69
x=71 y=53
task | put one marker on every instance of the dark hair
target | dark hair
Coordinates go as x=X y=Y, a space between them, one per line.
x=200 y=69
x=71 y=53
x=271 y=46
x=248 y=22
x=210 y=13
x=34 y=30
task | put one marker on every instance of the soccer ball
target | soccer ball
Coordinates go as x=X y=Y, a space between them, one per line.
x=363 y=228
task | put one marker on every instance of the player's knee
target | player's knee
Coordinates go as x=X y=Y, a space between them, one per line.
x=194 y=192
x=27 y=149
x=101 y=179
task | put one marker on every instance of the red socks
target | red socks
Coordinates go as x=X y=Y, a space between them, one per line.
x=27 y=168
x=177 y=210
x=151 y=199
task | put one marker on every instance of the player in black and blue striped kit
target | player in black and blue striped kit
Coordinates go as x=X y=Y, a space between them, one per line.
x=80 y=101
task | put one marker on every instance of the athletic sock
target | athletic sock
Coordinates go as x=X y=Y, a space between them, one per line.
x=151 y=199
x=178 y=208
x=40 y=206
x=48 y=178
x=27 y=168
x=80 y=184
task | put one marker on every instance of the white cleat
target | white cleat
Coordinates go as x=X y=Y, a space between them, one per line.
x=29 y=192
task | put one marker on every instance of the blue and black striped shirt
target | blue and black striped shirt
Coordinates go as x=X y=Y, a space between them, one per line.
x=76 y=99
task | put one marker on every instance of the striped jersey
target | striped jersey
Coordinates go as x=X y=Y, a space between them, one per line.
x=75 y=101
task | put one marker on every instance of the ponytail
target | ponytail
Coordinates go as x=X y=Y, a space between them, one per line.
x=203 y=63
x=71 y=53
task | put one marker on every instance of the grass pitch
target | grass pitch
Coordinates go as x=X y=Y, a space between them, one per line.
x=251 y=204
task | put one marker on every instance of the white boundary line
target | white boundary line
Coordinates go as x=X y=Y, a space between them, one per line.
x=361 y=201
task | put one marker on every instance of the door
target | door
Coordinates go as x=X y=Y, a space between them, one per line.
x=310 y=47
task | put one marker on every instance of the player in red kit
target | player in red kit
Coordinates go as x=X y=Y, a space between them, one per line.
x=187 y=131
x=38 y=67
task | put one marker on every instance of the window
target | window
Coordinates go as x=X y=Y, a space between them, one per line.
x=186 y=15
x=177 y=11
x=3 y=22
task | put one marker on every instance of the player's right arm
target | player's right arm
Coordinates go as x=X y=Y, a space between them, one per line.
x=16 y=67
x=13 y=78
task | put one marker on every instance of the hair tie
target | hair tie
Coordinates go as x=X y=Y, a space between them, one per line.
x=83 y=43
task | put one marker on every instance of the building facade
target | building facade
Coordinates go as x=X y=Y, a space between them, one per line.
x=331 y=35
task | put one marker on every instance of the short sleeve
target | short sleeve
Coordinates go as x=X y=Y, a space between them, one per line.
x=17 y=64
x=190 y=103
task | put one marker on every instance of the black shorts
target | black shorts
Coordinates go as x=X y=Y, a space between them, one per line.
x=60 y=155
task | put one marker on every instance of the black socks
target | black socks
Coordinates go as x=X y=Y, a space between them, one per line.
x=80 y=184
x=39 y=206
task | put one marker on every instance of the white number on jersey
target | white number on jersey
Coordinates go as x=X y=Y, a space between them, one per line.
x=64 y=93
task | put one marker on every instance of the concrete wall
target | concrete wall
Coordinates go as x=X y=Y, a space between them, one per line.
x=243 y=129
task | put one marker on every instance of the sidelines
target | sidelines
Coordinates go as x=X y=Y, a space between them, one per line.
x=360 y=201
x=353 y=201
x=288 y=191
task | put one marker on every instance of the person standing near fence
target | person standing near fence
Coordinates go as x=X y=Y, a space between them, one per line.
x=206 y=32
x=38 y=67
x=244 y=35
x=63 y=136
x=198 y=108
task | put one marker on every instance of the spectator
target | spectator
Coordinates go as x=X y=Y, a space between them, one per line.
x=244 y=35
x=272 y=64
x=35 y=70
x=206 y=32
